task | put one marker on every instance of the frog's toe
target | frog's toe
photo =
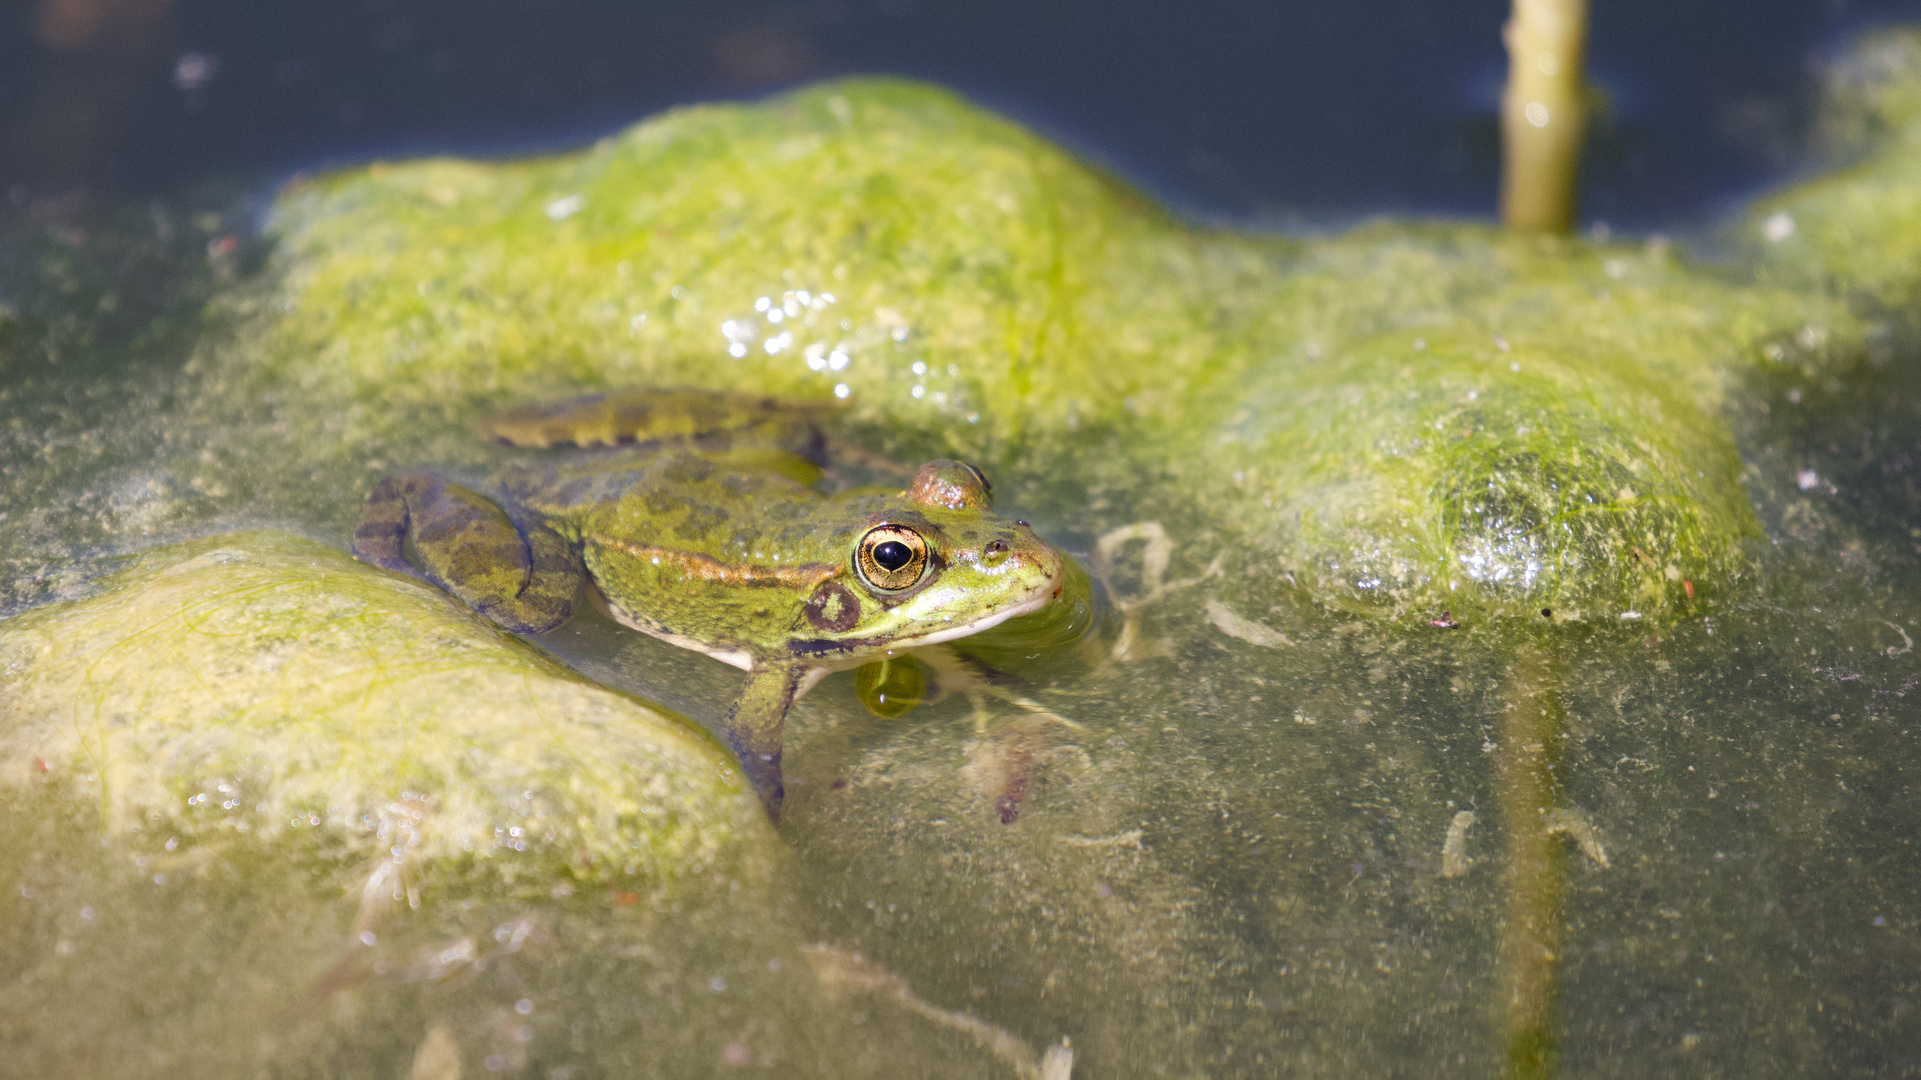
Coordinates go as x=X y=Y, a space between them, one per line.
x=553 y=588
x=380 y=535
x=763 y=770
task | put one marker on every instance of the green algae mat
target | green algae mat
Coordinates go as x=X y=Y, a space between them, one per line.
x=1498 y=652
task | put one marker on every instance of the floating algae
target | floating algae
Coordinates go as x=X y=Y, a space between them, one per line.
x=1372 y=461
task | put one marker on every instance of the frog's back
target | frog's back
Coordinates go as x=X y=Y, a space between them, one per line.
x=703 y=499
x=703 y=549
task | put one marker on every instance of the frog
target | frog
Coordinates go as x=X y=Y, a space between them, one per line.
x=702 y=518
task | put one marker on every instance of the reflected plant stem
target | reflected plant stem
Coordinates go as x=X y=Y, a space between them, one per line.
x=1543 y=113
x=1527 y=778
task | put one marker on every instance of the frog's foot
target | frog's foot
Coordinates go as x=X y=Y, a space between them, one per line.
x=1002 y=766
x=520 y=575
x=754 y=726
x=957 y=672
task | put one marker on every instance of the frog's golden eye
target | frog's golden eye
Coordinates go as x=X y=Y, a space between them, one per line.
x=891 y=557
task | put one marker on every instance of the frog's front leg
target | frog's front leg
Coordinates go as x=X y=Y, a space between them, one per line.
x=518 y=574
x=754 y=724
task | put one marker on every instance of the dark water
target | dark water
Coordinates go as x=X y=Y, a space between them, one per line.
x=1269 y=111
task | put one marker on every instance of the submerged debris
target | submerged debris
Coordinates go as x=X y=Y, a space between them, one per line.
x=1130 y=838
x=1246 y=630
x=841 y=972
x=1574 y=825
x=1454 y=860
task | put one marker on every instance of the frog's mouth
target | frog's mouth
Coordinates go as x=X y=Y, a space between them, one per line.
x=1045 y=593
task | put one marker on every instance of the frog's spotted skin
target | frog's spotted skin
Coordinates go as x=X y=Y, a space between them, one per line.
x=712 y=539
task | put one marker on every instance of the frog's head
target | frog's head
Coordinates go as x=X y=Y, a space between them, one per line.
x=932 y=564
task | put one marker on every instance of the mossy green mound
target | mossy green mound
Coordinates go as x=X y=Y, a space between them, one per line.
x=1856 y=230
x=836 y=236
x=259 y=692
x=1461 y=477
x=971 y=289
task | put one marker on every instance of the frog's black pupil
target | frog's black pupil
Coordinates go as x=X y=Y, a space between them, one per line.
x=892 y=554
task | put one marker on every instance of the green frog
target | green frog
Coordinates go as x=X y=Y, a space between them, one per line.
x=703 y=523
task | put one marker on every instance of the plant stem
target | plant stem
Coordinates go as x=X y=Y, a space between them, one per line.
x=1533 y=730
x=1543 y=113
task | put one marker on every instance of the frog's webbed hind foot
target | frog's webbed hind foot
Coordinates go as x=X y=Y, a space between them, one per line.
x=519 y=574
x=837 y=451
x=380 y=536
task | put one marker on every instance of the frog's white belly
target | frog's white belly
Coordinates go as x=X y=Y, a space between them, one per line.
x=739 y=658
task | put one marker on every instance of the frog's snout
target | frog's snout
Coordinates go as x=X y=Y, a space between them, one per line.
x=1017 y=555
x=1027 y=552
x=1053 y=568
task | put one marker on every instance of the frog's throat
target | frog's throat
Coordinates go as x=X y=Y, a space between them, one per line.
x=1043 y=594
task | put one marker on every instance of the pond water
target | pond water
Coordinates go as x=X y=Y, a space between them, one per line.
x=1214 y=110
x=1491 y=653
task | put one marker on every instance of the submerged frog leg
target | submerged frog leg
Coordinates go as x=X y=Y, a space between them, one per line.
x=957 y=672
x=518 y=574
x=713 y=421
x=667 y=414
x=836 y=450
x=753 y=726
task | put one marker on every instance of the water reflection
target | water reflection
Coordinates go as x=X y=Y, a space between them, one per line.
x=96 y=62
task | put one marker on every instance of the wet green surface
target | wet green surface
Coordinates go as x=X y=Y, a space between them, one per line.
x=1327 y=488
